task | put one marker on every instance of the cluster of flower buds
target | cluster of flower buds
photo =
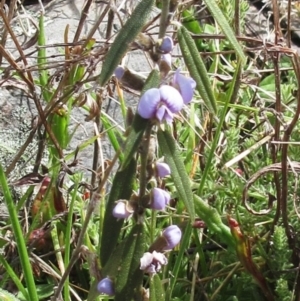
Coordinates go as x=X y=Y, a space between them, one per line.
x=157 y=199
x=153 y=260
x=160 y=104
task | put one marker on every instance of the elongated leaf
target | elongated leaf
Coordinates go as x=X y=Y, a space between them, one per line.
x=221 y=20
x=126 y=35
x=179 y=175
x=19 y=237
x=196 y=68
x=130 y=276
x=213 y=221
x=121 y=189
x=6 y=296
x=156 y=289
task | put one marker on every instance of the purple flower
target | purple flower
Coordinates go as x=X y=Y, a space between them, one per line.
x=166 y=45
x=106 y=286
x=151 y=263
x=172 y=235
x=119 y=72
x=162 y=169
x=160 y=103
x=122 y=209
x=159 y=199
x=186 y=86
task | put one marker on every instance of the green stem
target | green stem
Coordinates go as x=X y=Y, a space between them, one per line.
x=19 y=237
x=163 y=24
x=144 y=161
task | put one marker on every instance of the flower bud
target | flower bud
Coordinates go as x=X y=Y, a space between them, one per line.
x=123 y=209
x=159 y=199
x=106 y=286
x=129 y=79
x=166 y=45
x=162 y=169
x=119 y=72
x=172 y=235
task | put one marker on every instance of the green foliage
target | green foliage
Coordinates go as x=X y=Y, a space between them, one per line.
x=224 y=149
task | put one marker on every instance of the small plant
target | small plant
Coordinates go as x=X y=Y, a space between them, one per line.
x=197 y=200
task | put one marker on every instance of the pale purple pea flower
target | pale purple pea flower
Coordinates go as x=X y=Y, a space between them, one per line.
x=160 y=103
x=159 y=199
x=166 y=45
x=151 y=263
x=185 y=85
x=172 y=235
x=122 y=210
x=106 y=286
x=162 y=169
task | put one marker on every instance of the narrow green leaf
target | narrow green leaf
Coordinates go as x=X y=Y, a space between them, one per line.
x=196 y=68
x=179 y=175
x=130 y=276
x=19 y=237
x=228 y=32
x=213 y=221
x=42 y=60
x=126 y=35
x=121 y=189
x=6 y=296
x=112 y=135
x=14 y=277
x=156 y=289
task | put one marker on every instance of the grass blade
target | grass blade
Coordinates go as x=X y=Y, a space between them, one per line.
x=19 y=237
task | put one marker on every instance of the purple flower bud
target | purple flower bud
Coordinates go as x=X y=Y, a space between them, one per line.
x=160 y=103
x=166 y=45
x=119 y=72
x=162 y=169
x=186 y=86
x=122 y=209
x=151 y=263
x=106 y=286
x=159 y=199
x=172 y=235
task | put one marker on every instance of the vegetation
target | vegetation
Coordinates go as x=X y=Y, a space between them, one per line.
x=198 y=199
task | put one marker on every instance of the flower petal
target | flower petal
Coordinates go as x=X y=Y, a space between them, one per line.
x=106 y=286
x=186 y=86
x=146 y=260
x=160 y=257
x=148 y=103
x=159 y=199
x=172 y=235
x=163 y=113
x=172 y=98
x=162 y=169
x=166 y=45
x=119 y=72
x=122 y=210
